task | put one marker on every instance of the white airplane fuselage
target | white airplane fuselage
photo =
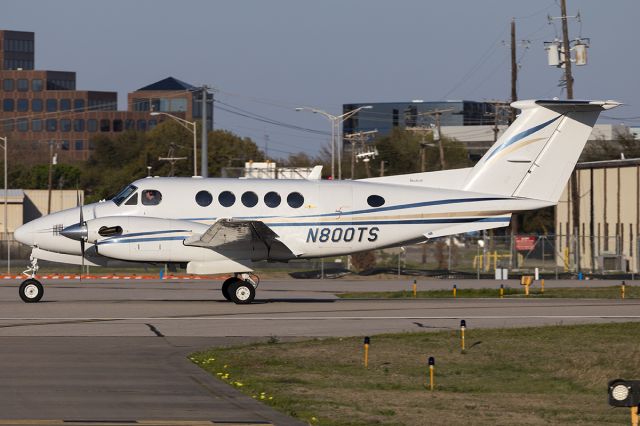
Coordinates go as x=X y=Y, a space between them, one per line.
x=334 y=218
x=223 y=225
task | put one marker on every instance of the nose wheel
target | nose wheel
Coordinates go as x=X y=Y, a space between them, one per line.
x=240 y=289
x=31 y=291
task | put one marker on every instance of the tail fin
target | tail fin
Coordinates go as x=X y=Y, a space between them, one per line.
x=536 y=155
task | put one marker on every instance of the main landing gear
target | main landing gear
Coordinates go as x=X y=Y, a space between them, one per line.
x=31 y=291
x=241 y=288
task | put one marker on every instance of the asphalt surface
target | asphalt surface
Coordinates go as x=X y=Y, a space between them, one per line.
x=101 y=351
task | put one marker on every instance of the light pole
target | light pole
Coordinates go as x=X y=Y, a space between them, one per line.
x=6 y=196
x=190 y=126
x=335 y=123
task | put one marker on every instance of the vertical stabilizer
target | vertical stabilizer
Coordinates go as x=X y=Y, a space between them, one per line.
x=536 y=155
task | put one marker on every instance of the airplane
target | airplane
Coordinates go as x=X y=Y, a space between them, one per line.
x=222 y=226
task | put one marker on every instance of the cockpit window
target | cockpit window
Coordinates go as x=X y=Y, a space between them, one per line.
x=132 y=201
x=151 y=197
x=124 y=194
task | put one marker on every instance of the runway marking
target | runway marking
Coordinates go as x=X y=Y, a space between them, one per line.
x=320 y=318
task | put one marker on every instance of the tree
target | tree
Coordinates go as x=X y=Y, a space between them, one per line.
x=401 y=152
x=229 y=150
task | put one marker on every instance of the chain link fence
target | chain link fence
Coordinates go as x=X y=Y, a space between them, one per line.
x=464 y=254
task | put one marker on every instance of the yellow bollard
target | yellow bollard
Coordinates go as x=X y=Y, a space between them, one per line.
x=526 y=289
x=415 y=288
x=542 y=286
x=367 y=341
x=622 y=289
x=463 y=326
x=432 y=382
x=501 y=291
x=455 y=290
x=634 y=416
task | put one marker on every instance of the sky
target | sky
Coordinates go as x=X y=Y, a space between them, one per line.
x=269 y=57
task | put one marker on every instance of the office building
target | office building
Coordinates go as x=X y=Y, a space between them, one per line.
x=40 y=108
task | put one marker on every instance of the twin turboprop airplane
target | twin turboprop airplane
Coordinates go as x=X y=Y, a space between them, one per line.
x=221 y=226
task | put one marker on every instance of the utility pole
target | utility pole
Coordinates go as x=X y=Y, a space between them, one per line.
x=171 y=159
x=436 y=114
x=562 y=57
x=566 y=48
x=359 y=140
x=514 y=69
x=423 y=131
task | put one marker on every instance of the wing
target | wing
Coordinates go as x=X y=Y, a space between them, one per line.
x=237 y=238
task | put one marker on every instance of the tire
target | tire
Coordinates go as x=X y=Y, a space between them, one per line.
x=225 y=287
x=242 y=292
x=31 y=291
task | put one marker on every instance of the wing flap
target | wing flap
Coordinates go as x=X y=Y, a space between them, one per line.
x=235 y=237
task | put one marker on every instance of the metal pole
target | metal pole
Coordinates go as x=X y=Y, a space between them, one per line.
x=333 y=148
x=204 y=154
x=6 y=216
x=195 y=149
x=514 y=69
x=50 y=176
x=339 y=149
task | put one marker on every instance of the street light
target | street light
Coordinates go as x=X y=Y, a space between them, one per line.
x=335 y=122
x=190 y=126
x=6 y=196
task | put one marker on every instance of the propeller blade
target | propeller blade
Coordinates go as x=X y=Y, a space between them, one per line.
x=82 y=254
x=82 y=238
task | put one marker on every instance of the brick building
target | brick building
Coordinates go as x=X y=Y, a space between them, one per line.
x=43 y=107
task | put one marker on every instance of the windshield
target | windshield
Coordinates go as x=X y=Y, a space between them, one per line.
x=124 y=194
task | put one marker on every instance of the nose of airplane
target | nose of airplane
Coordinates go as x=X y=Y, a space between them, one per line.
x=24 y=234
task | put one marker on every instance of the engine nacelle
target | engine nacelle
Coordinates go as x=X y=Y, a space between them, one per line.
x=143 y=239
x=107 y=228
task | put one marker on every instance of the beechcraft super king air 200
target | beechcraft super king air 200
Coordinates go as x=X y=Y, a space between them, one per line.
x=222 y=226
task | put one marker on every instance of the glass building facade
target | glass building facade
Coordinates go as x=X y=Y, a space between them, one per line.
x=386 y=116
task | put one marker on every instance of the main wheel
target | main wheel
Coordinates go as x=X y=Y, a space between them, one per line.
x=242 y=292
x=225 y=287
x=31 y=291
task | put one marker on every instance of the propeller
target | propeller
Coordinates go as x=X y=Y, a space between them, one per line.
x=78 y=232
x=82 y=239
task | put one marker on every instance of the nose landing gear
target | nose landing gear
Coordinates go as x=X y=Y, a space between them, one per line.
x=31 y=290
x=241 y=288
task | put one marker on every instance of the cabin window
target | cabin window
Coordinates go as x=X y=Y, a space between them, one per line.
x=249 y=199
x=272 y=199
x=226 y=198
x=204 y=198
x=151 y=197
x=124 y=194
x=375 y=201
x=295 y=200
x=133 y=201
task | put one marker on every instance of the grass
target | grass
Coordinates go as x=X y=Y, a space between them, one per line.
x=526 y=376
x=612 y=292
